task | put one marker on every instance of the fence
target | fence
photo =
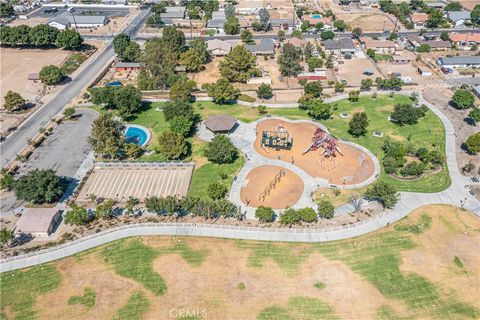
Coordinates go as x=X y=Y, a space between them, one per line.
x=188 y=229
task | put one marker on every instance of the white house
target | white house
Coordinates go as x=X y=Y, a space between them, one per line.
x=67 y=20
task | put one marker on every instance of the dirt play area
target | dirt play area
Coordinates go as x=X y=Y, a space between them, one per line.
x=347 y=169
x=436 y=248
x=287 y=191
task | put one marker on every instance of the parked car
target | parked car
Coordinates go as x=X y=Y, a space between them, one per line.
x=51 y=10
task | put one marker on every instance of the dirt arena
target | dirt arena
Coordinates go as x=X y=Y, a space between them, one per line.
x=342 y=169
x=141 y=181
x=286 y=193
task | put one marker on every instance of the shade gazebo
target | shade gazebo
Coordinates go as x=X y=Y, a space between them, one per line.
x=221 y=123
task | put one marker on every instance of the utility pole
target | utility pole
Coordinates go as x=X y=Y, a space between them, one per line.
x=72 y=10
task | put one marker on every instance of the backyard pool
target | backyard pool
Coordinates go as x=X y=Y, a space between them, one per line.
x=137 y=134
x=316 y=16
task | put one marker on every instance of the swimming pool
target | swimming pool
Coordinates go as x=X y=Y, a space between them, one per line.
x=316 y=16
x=137 y=134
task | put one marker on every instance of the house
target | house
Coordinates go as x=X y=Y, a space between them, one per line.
x=342 y=45
x=171 y=14
x=218 y=47
x=416 y=41
x=284 y=24
x=128 y=66
x=265 y=47
x=315 y=19
x=464 y=40
x=459 y=62
x=476 y=91
x=66 y=20
x=245 y=23
x=459 y=18
x=379 y=46
x=401 y=60
x=419 y=19
x=248 y=7
x=424 y=72
x=317 y=74
x=40 y=222
x=296 y=42
x=217 y=21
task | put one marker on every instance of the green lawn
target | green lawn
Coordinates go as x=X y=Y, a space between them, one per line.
x=301 y=308
x=383 y=57
x=88 y=298
x=136 y=307
x=73 y=61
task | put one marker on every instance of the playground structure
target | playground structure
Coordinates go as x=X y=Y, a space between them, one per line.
x=278 y=139
x=273 y=183
x=329 y=143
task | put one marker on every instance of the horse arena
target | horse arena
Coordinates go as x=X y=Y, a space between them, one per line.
x=119 y=181
x=271 y=186
x=339 y=163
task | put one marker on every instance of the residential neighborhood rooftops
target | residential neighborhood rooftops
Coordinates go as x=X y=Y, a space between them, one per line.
x=264 y=47
x=458 y=15
x=280 y=22
x=464 y=37
x=339 y=44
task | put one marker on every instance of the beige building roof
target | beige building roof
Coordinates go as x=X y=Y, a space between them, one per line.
x=220 y=123
x=36 y=220
x=216 y=44
x=371 y=43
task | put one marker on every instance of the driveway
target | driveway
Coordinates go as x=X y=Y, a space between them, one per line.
x=66 y=149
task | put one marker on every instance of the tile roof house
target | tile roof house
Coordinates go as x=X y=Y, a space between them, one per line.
x=418 y=19
x=265 y=47
x=218 y=47
x=65 y=20
x=40 y=222
x=459 y=18
x=464 y=39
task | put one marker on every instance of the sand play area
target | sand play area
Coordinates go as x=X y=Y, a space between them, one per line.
x=286 y=192
x=352 y=167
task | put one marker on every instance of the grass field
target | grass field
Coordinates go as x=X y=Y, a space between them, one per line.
x=73 y=61
x=424 y=267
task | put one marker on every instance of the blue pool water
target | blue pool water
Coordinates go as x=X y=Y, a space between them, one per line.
x=136 y=135
x=316 y=16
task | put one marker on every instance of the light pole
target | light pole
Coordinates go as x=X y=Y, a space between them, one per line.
x=72 y=10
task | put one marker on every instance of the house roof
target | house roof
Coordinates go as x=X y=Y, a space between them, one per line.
x=339 y=44
x=265 y=46
x=66 y=19
x=220 y=123
x=173 y=13
x=459 y=60
x=36 y=220
x=220 y=14
x=418 y=17
x=315 y=21
x=279 y=22
x=464 y=37
x=295 y=42
x=458 y=15
x=216 y=23
x=215 y=44
x=372 y=43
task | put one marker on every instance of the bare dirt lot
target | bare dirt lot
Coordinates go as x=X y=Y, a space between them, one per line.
x=286 y=193
x=375 y=21
x=210 y=74
x=352 y=70
x=344 y=168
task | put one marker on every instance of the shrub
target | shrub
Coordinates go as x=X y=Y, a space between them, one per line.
x=182 y=125
x=462 y=99
x=264 y=91
x=76 y=216
x=265 y=214
x=473 y=143
x=414 y=168
x=51 y=75
x=385 y=193
x=172 y=145
x=217 y=191
x=289 y=217
x=307 y=215
x=326 y=209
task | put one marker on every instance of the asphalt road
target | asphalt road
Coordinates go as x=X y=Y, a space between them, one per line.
x=16 y=141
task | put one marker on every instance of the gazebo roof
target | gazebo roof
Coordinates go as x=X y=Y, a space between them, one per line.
x=220 y=123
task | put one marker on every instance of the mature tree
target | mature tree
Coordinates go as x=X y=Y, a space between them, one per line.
x=317 y=109
x=216 y=191
x=435 y=19
x=229 y=10
x=462 y=99
x=475 y=115
x=200 y=47
x=326 y=35
x=76 y=216
x=159 y=8
x=133 y=150
x=358 y=125
x=424 y=48
x=182 y=125
x=354 y=95
x=154 y=21
x=264 y=91
x=232 y=25
x=158 y=71
x=289 y=60
x=307 y=215
x=120 y=44
x=314 y=63
x=105 y=209
x=405 y=113
x=326 y=209
x=43 y=35
x=246 y=36
x=130 y=205
x=106 y=136
x=39 y=186
x=313 y=89
x=297 y=34
x=103 y=96
x=357 y=32
x=385 y=193
x=392 y=83
x=340 y=25
x=132 y=52
x=52 y=75
x=340 y=87
x=239 y=65
x=172 y=145
x=13 y=101
x=281 y=35
x=264 y=19
x=366 y=84
x=222 y=91
x=221 y=150
x=475 y=15
x=69 y=39
x=265 y=214
x=192 y=61
x=473 y=143
x=6 y=9
x=453 y=6
x=175 y=108
x=182 y=89
x=128 y=101
x=173 y=38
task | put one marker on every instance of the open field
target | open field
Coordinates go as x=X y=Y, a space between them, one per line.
x=424 y=267
x=368 y=21
x=352 y=71
x=351 y=167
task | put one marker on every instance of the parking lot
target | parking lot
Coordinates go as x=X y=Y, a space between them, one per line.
x=95 y=11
